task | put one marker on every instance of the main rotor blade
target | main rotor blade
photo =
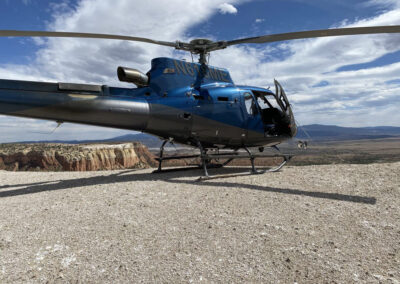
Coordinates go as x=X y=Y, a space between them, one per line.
x=12 y=33
x=317 y=33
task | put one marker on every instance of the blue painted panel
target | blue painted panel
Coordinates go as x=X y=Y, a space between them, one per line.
x=167 y=74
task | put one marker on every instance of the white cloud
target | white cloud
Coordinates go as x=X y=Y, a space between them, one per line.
x=226 y=8
x=96 y=61
x=349 y=97
x=259 y=20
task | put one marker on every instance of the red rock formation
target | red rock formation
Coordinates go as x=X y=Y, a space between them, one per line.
x=60 y=157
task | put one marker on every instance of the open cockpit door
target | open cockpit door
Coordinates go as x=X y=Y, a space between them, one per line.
x=286 y=107
x=276 y=112
x=281 y=97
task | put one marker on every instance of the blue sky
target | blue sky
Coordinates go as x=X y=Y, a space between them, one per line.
x=16 y=15
x=353 y=81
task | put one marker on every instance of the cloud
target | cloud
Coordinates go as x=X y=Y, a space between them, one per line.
x=96 y=61
x=226 y=8
x=383 y=3
x=259 y=20
x=347 y=96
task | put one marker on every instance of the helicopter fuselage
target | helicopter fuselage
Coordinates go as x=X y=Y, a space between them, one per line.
x=184 y=102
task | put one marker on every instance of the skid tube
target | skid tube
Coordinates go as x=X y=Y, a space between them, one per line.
x=206 y=158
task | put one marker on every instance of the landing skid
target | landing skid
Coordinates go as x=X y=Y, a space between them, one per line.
x=206 y=158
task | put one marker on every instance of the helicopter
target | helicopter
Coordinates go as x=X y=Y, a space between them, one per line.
x=184 y=102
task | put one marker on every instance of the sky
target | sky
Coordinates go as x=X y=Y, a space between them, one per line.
x=345 y=81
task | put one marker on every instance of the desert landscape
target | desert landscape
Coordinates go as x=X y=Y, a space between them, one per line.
x=95 y=212
x=305 y=224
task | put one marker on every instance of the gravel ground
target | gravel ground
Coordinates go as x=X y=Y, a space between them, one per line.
x=314 y=224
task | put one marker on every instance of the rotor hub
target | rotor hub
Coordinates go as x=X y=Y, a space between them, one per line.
x=200 y=45
x=201 y=41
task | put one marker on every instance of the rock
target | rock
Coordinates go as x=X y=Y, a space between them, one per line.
x=65 y=157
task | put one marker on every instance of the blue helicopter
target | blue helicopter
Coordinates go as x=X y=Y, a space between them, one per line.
x=183 y=102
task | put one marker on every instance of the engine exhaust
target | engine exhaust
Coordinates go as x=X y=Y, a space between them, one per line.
x=132 y=76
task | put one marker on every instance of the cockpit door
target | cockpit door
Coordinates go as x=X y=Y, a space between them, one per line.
x=282 y=98
x=284 y=103
x=251 y=113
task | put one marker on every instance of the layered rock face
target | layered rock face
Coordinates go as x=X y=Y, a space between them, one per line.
x=62 y=157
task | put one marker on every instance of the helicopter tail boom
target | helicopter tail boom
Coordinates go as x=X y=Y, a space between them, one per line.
x=78 y=103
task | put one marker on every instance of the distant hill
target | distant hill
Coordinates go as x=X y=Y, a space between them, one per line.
x=149 y=140
x=317 y=132
x=332 y=132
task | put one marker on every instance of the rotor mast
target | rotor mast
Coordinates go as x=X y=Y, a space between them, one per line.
x=203 y=58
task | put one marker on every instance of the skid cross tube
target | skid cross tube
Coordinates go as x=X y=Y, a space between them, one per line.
x=253 y=169
x=203 y=154
x=206 y=157
x=160 y=159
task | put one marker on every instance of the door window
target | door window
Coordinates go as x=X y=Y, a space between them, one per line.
x=249 y=103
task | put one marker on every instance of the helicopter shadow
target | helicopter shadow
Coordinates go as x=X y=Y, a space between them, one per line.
x=172 y=177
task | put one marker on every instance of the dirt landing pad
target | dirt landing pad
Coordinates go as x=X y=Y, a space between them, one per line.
x=314 y=224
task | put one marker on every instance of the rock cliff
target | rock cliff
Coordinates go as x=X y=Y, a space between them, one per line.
x=65 y=157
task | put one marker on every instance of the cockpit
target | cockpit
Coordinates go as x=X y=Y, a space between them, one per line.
x=268 y=105
x=273 y=109
x=272 y=112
